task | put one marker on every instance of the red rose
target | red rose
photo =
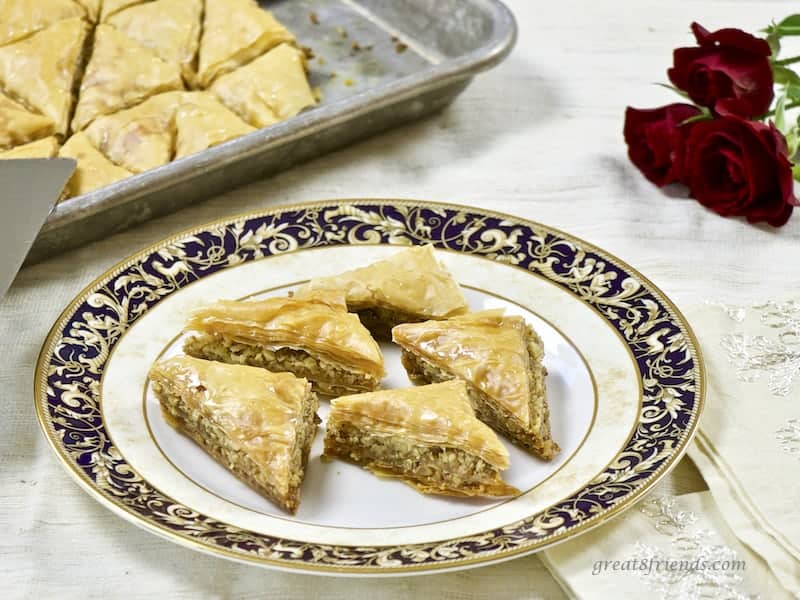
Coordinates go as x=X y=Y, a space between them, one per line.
x=654 y=138
x=739 y=167
x=729 y=73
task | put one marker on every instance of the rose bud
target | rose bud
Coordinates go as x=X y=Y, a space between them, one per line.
x=654 y=137
x=739 y=167
x=729 y=72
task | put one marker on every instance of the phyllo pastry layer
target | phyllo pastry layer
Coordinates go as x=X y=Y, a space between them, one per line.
x=21 y=18
x=121 y=73
x=427 y=436
x=259 y=425
x=94 y=170
x=313 y=338
x=268 y=90
x=202 y=122
x=234 y=33
x=409 y=287
x=41 y=70
x=44 y=148
x=500 y=359
x=141 y=137
x=170 y=28
x=19 y=126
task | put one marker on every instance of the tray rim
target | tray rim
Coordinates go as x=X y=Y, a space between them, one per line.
x=370 y=571
x=133 y=188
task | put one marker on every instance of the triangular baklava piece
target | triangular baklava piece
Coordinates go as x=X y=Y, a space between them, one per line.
x=121 y=74
x=40 y=70
x=270 y=89
x=500 y=359
x=315 y=338
x=409 y=287
x=202 y=122
x=44 y=148
x=427 y=436
x=18 y=125
x=139 y=138
x=21 y=18
x=94 y=169
x=234 y=33
x=259 y=425
x=170 y=28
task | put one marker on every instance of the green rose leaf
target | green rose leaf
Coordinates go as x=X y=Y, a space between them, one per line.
x=784 y=75
x=789 y=26
x=789 y=79
x=792 y=91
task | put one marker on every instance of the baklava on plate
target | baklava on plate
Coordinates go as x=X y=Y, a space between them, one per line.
x=409 y=287
x=315 y=338
x=427 y=436
x=500 y=359
x=259 y=425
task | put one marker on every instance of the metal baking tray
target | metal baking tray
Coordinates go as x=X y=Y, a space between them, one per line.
x=378 y=64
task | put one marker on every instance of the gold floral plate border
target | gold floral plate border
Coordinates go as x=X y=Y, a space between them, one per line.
x=663 y=347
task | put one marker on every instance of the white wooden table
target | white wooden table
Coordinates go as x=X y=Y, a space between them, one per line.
x=539 y=137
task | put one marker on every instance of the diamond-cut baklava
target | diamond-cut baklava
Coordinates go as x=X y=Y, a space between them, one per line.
x=234 y=33
x=315 y=338
x=259 y=425
x=409 y=287
x=500 y=359
x=427 y=436
x=40 y=71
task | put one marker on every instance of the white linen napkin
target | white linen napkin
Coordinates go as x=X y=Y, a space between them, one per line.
x=748 y=448
x=671 y=547
x=748 y=451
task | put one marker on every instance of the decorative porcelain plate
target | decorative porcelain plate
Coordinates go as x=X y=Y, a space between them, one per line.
x=625 y=387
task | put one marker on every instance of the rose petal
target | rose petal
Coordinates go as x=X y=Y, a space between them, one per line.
x=701 y=34
x=654 y=140
x=729 y=72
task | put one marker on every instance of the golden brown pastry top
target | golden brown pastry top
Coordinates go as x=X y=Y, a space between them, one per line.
x=411 y=281
x=202 y=121
x=439 y=414
x=44 y=148
x=20 y=18
x=171 y=28
x=270 y=89
x=485 y=348
x=112 y=7
x=40 y=70
x=258 y=411
x=120 y=74
x=317 y=325
x=94 y=169
x=141 y=137
x=234 y=33
x=18 y=125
